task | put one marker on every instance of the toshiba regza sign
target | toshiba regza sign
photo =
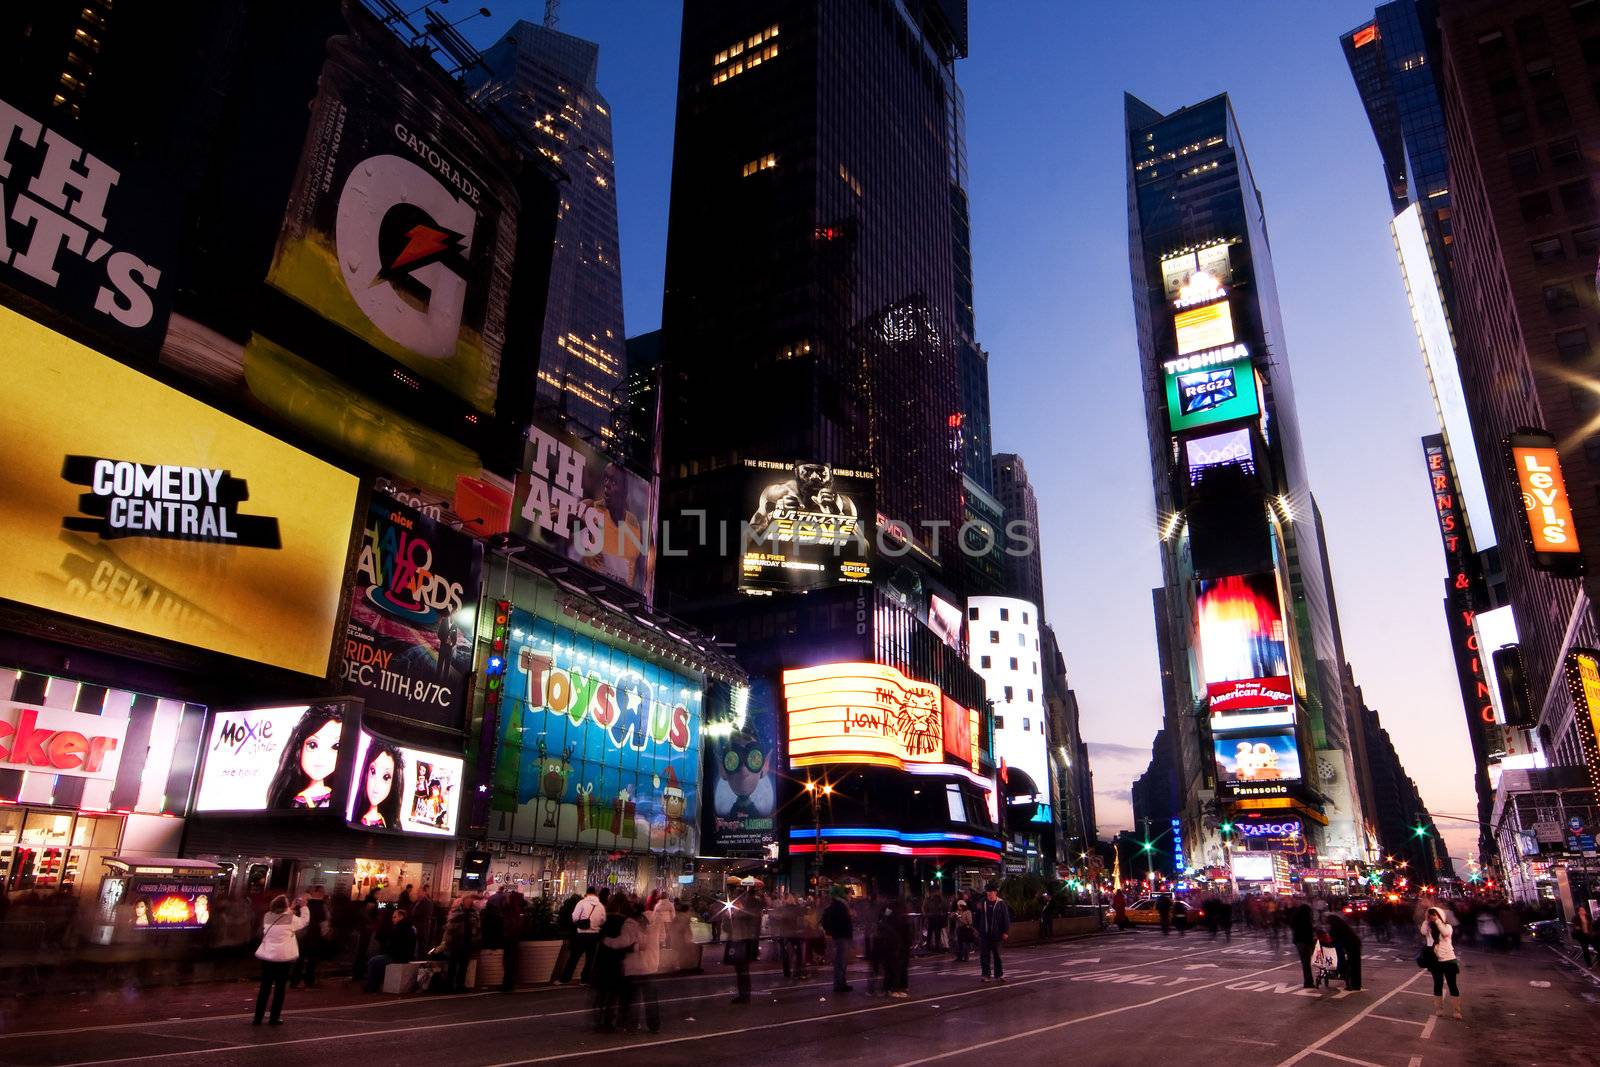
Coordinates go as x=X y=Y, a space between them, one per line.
x=1217 y=385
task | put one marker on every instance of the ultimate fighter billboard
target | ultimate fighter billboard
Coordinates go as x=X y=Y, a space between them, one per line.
x=810 y=525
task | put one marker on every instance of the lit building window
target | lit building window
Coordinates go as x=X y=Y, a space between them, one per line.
x=727 y=63
x=766 y=162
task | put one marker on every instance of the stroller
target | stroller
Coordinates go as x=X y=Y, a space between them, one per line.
x=1324 y=960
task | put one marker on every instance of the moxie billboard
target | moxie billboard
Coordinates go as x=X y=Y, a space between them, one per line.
x=161 y=515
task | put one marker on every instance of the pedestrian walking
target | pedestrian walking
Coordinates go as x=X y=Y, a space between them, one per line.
x=366 y=929
x=1303 y=932
x=512 y=915
x=991 y=920
x=1119 y=909
x=462 y=931
x=277 y=952
x=313 y=939
x=965 y=936
x=1583 y=932
x=839 y=927
x=895 y=935
x=423 y=916
x=938 y=914
x=1164 y=913
x=1438 y=955
x=588 y=919
x=743 y=923
x=607 y=973
x=641 y=942
x=1348 y=946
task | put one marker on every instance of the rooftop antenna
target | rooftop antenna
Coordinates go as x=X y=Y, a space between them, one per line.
x=552 y=14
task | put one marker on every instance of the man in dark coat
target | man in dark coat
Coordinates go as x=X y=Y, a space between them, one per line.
x=1303 y=932
x=837 y=924
x=991 y=918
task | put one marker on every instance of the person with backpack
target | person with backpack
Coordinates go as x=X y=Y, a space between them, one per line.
x=895 y=935
x=461 y=935
x=277 y=952
x=1303 y=932
x=1438 y=956
x=313 y=939
x=991 y=920
x=640 y=942
x=611 y=948
x=588 y=919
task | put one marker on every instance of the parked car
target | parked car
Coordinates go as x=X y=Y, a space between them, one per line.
x=1551 y=931
x=1142 y=912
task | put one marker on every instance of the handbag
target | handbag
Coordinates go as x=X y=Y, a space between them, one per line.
x=1427 y=958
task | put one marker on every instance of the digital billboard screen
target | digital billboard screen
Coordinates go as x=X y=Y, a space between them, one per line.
x=1230 y=448
x=1240 y=636
x=1549 y=529
x=1179 y=270
x=1201 y=328
x=577 y=501
x=742 y=771
x=946 y=620
x=130 y=504
x=862 y=713
x=1217 y=385
x=605 y=746
x=413 y=615
x=170 y=903
x=292 y=758
x=809 y=525
x=1255 y=759
x=404 y=789
x=401 y=227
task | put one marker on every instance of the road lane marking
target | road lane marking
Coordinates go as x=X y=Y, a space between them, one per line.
x=1427 y=1027
x=387 y=1030
x=1347 y=1059
x=1408 y=1022
x=1071 y=1022
x=1316 y=1046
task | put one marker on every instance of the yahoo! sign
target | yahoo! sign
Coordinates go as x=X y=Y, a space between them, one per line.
x=1285 y=828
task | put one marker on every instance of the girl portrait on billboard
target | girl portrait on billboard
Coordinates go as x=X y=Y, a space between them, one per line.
x=380 y=785
x=309 y=759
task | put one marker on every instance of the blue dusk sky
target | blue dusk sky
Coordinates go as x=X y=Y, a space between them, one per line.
x=1044 y=89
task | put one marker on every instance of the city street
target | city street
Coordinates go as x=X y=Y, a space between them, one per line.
x=1112 y=999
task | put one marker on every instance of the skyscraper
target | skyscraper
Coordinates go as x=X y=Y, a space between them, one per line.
x=1523 y=126
x=818 y=281
x=1024 y=571
x=543 y=82
x=1246 y=605
x=821 y=380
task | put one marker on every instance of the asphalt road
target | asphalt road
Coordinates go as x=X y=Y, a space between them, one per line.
x=1135 y=998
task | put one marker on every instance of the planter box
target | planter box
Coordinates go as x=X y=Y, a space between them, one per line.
x=537 y=961
x=491 y=969
x=1023 y=933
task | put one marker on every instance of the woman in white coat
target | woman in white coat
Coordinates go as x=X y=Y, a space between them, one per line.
x=639 y=968
x=278 y=950
x=1439 y=937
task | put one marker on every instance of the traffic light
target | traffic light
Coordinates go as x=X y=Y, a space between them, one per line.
x=1227 y=827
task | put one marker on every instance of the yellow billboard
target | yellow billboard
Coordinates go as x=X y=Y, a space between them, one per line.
x=130 y=504
x=1205 y=327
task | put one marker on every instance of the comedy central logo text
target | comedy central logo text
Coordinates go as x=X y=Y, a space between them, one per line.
x=178 y=503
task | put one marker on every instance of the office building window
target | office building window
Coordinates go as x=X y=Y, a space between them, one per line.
x=1547 y=250
x=1030 y=696
x=756 y=166
x=1565 y=152
x=1022 y=639
x=1559 y=298
x=983 y=662
x=1553 y=109
x=1005 y=614
x=1536 y=206
x=1513 y=119
x=1578 y=197
x=999 y=722
x=972 y=613
x=1027 y=725
x=994 y=637
x=1572 y=346
x=1009 y=694
x=1586 y=241
x=1013 y=663
x=1523 y=163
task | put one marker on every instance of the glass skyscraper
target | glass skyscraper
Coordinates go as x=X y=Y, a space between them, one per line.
x=1256 y=701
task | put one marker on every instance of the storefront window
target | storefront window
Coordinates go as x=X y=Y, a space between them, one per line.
x=46 y=851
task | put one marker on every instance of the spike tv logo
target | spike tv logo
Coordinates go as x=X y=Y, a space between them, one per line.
x=403 y=239
x=164 y=501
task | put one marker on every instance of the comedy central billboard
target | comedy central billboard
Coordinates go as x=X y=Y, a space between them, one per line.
x=808 y=525
x=402 y=226
x=132 y=505
x=1216 y=385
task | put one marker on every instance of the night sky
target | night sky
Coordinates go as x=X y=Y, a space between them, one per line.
x=1044 y=91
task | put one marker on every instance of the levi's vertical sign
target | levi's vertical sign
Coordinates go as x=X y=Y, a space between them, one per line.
x=1551 y=535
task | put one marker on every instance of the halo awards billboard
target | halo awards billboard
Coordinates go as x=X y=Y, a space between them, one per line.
x=413 y=615
x=579 y=502
x=1217 y=385
x=402 y=225
x=810 y=525
x=603 y=746
x=1548 y=528
x=131 y=505
x=82 y=235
